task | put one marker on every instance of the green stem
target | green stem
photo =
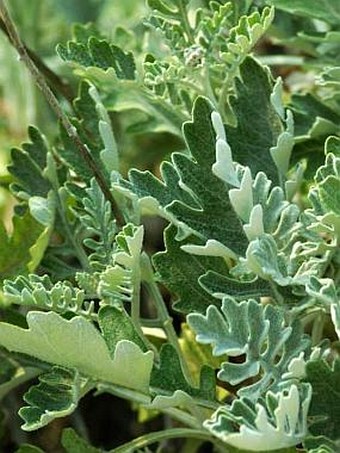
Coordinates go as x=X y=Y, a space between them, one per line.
x=140 y=398
x=54 y=104
x=174 y=433
x=284 y=60
x=278 y=297
x=208 y=88
x=152 y=287
x=156 y=322
x=318 y=326
x=185 y=21
x=135 y=302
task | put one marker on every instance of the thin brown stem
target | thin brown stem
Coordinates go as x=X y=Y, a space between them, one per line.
x=54 y=104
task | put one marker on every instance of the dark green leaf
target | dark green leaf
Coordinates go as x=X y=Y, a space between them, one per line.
x=101 y=54
x=320 y=444
x=75 y=444
x=325 y=406
x=204 y=205
x=218 y=284
x=116 y=325
x=55 y=396
x=28 y=165
x=312 y=117
x=180 y=272
x=168 y=377
x=258 y=125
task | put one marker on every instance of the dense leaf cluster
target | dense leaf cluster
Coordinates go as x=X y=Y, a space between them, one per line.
x=251 y=258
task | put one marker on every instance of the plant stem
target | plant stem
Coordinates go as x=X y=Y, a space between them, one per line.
x=278 y=297
x=54 y=104
x=318 y=327
x=174 y=433
x=208 y=88
x=185 y=21
x=140 y=398
x=152 y=287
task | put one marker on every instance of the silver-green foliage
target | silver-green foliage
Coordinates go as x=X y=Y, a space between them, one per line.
x=251 y=255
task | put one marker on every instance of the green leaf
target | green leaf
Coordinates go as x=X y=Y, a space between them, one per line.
x=279 y=421
x=258 y=124
x=39 y=291
x=221 y=285
x=28 y=165
x=95 y=215
x=78 y=344
x=100 y=54
x=206 y=212
x=265 y=261
x=56 y=395
x=153 y=192
x=243 y=35
x=75 y=444
x=89 y=115
x=325 y=404
x=181 y=271
x=312 y=117
x=121 y=280
x=109 y=154
x=330 y=194
x=215 y=210
x=167 y=380
x=256 y=331
x=326 y=10
x=319 y=444
x=17 y=250
x=335 y=312
x=116 y=326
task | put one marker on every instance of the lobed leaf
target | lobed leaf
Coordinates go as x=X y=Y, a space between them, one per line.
x=258 y=124
x=75 y=444
x=99 y=53
x=28 y=165
x=325 y=403
x=96 y=217
x=278 y=421
x=39 y=291
x=204 y=207
x=171 y=387
x=56 y=395
x=76 y=343
x=181 y=272
x=260 y=333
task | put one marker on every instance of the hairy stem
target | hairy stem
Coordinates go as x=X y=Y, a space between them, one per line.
x=174 y=433
x=167 y=325
x=185 y=21
x=140 y=398
x=54 y=104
